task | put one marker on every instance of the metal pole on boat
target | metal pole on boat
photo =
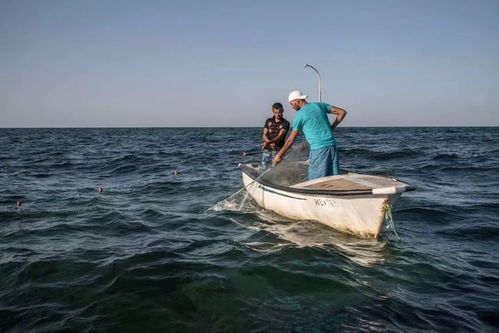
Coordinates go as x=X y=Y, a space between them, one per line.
x=318 y=78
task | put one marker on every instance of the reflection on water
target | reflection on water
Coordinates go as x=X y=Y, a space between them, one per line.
x=365 y=252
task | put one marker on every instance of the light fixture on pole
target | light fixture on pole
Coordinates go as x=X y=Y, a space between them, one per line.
x=318 y=78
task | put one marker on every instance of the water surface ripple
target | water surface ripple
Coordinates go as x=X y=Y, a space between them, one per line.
x=148 y=255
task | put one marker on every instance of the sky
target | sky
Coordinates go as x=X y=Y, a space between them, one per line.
x=103 y=63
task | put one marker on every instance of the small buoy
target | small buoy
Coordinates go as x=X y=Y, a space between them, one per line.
x=18 y=203
x=175 y=172
x=101 y=190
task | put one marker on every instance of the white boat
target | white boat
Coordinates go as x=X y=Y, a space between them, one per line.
x=352 y=203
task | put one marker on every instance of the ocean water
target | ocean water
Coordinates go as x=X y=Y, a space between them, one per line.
x=147 y=254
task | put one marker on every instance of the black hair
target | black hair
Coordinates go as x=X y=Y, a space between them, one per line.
x=277 y=106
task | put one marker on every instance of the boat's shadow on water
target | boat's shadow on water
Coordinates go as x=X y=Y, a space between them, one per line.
x=291 y=233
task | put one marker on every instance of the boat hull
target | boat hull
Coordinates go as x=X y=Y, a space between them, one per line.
x=361 y=215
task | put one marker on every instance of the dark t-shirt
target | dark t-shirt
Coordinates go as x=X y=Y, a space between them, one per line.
x=273 y=129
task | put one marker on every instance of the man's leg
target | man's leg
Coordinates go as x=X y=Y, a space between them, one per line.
x=266 y=160
x=334 y=166
x=319 y=162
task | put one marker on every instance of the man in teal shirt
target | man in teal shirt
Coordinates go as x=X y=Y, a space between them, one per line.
x=312 y=119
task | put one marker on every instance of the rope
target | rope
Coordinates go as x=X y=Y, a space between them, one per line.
x=387 y=209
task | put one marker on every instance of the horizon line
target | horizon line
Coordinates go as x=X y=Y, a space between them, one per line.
x=129 y=127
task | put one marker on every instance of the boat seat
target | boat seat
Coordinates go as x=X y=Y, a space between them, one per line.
x=337 y=184
x=350 y=182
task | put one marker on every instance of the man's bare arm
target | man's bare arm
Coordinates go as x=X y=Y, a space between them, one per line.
x=340 y=115
x=282 y=133
x=264 y=135
x=289 y=142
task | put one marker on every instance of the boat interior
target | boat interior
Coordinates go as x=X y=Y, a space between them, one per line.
x=294 y=175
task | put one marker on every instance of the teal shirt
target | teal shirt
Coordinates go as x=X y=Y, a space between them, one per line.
x=313 y=121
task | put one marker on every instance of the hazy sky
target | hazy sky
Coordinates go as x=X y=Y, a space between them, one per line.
x=223 y=63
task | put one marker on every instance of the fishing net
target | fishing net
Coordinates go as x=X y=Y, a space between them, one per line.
x=293 y=169
x=238 y=202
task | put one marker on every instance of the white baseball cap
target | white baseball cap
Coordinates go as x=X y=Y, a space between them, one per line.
x=296 y=94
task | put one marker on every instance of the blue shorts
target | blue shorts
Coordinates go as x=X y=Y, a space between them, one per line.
x=267 y=158
x=323 y=162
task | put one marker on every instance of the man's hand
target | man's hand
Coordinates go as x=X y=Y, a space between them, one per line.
x=277 y=159
x=268 y=146
x=289 y=142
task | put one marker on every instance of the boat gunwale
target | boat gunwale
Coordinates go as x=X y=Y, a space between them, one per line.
x=253 y=174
